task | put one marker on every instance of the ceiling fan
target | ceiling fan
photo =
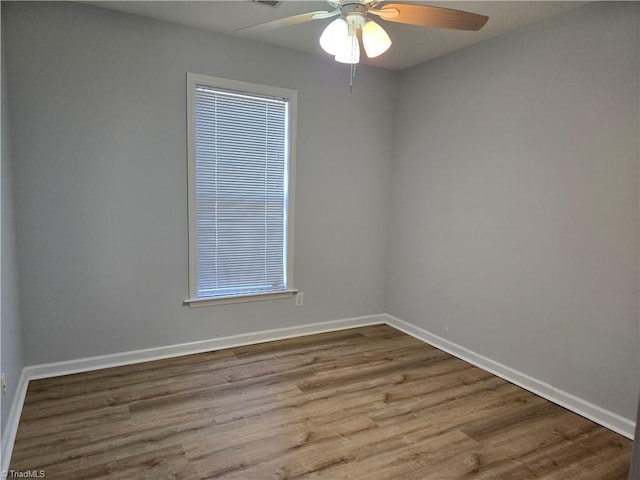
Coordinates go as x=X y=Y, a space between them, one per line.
x=354 y=26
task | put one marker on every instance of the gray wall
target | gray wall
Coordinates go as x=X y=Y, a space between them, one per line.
x=10 y=327
x=514 y=217
x=98 y=134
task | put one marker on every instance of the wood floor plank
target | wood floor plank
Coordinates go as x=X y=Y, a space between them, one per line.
x=365 y=403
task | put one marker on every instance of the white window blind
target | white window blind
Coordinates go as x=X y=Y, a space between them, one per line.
x=241 y=150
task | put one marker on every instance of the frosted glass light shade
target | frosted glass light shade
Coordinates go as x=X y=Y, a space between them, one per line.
x=374 y=39
x=335 y=35
x=349 y=51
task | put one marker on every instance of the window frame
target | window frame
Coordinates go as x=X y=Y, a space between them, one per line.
x=194 y=79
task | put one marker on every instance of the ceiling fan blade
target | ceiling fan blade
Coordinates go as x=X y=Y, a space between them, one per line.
x=285 y=22
x=428 y=16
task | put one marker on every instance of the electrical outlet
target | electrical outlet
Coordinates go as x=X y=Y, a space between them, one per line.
x=3 y=382
x=299 y=299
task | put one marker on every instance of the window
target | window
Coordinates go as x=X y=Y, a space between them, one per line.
x=240 y=155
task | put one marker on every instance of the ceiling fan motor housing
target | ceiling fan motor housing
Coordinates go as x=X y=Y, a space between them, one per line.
x=355 y=14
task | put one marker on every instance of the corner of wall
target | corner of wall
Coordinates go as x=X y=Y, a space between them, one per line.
x=11 y=349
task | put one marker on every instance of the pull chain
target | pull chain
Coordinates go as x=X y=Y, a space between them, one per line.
x=353 y=75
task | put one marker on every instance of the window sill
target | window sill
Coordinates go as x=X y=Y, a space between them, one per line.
x=253 y=297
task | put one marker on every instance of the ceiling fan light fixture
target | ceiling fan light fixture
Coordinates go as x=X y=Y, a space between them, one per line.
x=349 y=51
x=354 y=18
x=374 y=39
x=334 y=36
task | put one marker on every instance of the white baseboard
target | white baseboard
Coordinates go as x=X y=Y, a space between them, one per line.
x=606 y=418
x=13 y=419
x=157 y=353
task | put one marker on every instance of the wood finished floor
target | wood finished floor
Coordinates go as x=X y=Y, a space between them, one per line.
x=366 y=403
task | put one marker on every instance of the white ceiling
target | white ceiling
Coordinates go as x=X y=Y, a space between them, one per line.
x=411 y=44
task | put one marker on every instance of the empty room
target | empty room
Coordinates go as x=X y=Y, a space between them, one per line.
x=322 y=240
